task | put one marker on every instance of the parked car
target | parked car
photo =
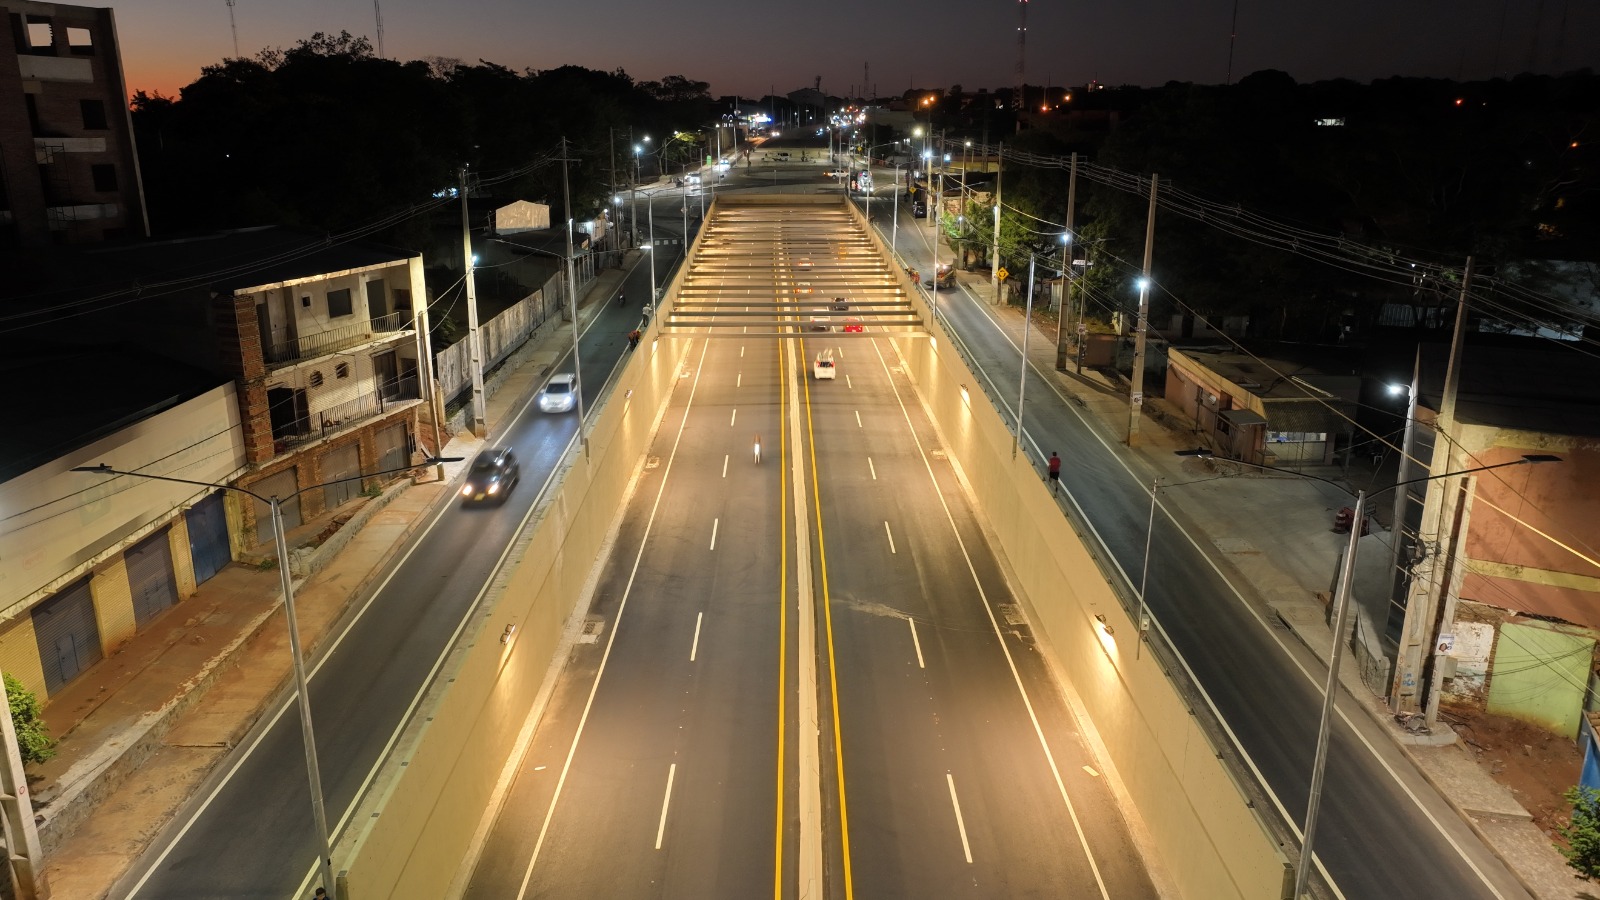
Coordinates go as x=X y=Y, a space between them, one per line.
x=560 y=393
x=493 y=474
x=823 y=367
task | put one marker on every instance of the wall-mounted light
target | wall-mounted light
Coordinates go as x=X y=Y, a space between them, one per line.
x=628 y=393
x=966 y=398
x=505 y=636
x=1104 y=625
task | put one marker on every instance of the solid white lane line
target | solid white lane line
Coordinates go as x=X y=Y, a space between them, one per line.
x=872 y=468
x=1000 y=637
x=611 y=640
x=695 y=647
x=916 y=643
x=890 y=534
x=724 y=465
x=858 y=418
x=733 y=418
x=961 y=826
x=666 y=800
x=714 y=523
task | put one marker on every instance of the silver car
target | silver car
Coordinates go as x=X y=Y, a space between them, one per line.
x=560 y=393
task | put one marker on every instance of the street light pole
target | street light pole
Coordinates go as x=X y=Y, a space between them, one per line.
x=302 y=692
x=474 y=345
x=1347 y=570
x=1136 y=391
x=1022 y=377
x=572 y=298
x=650 y=210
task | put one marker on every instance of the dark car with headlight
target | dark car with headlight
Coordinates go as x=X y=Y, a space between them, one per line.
x=493 y=474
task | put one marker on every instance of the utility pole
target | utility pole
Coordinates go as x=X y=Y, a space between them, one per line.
x=378 y=14
x=1425 y=593
x=474 y=347
x=1066 y=269
x=21 y=832
x=572 y=296
x=1022 y=376
x=994 y=265
x=612 y=145
x=1136 y=393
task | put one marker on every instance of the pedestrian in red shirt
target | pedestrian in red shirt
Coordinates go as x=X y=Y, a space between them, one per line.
x=1055 y=472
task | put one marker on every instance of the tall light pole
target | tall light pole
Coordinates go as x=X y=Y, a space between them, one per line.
x=1136 y=391
x=297 y=657
x=572 y=297
x=474 y=345
x=1347 y=571
x=1022 y=377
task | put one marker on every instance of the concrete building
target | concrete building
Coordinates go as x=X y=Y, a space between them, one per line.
x=264 y=359
x=69 y=173
x=1497 y=589
x=1264 y=411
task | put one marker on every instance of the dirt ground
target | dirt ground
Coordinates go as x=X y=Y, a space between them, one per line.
x=1536 y=765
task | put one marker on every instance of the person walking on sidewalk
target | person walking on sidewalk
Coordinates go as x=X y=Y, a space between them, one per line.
x=1055 y=472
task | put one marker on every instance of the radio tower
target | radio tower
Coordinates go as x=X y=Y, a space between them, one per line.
x=379 y=14
x=234 y=25
x=1022 y=52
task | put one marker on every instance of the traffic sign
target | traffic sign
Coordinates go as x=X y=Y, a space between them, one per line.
x=1003 y=273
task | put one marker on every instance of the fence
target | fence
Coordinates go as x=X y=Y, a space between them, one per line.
x=501 y=335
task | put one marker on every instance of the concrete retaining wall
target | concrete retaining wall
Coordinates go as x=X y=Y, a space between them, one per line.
x=427 y=808
x=1209 y=842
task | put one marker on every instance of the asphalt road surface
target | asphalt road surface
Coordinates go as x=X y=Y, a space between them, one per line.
x=811 y=672
x=1383 y=831
x=249 y=832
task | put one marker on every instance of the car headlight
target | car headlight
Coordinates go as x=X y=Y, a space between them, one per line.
x=494 y=488
x=466 y=490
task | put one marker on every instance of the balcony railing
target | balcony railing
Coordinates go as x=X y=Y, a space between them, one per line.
x=323 y=422
x=310 y=346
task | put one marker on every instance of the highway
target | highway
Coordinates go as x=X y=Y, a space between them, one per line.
x=248 y=833
x=1384 y=831
x=811 y=670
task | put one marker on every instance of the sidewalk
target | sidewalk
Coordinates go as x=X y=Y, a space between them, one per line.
x=1275 y=532
x=141 y=731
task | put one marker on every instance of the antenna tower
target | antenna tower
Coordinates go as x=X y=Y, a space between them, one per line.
x=378 y=13
x=234 y=25
x=1022 y=52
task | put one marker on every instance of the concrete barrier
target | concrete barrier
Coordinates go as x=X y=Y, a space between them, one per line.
x=416 y=827
x=1199 y=812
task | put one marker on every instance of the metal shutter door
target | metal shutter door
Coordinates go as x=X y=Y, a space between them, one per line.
x=69 y=639
x=208 y=537
x=393 y=447
x=150 y=580
x=345 y=462
x=280 y=485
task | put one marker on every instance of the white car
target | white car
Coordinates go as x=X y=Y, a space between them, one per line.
x=823 y=367
x=560 y=393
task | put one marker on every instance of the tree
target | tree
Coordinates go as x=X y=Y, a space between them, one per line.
x=1582 y=832
x=33 y=741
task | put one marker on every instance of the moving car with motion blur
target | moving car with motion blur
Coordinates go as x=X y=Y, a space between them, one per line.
x=493 y=474
x=822 y=368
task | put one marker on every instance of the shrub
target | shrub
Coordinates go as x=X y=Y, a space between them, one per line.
x=1582 y=832
x=34 y=742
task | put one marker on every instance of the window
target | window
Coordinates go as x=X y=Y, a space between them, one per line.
x=402 y=301
x=105 y=177
x=339 y=303
x=94 y=115
x=342 y=370
x=316 y=379
x=39 y=35
x=81 y=40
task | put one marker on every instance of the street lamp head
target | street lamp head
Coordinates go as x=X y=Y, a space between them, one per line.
x=1201 y=452
x=1396 y=390
x=1144 y=283
x=1539 y=458
x=103 y=469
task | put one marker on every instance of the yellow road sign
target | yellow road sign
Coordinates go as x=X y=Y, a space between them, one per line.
x=1004 y=274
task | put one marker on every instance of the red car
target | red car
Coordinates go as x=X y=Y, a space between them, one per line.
x=853 y=324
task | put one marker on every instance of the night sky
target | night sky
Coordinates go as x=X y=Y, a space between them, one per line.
x=748 y=48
